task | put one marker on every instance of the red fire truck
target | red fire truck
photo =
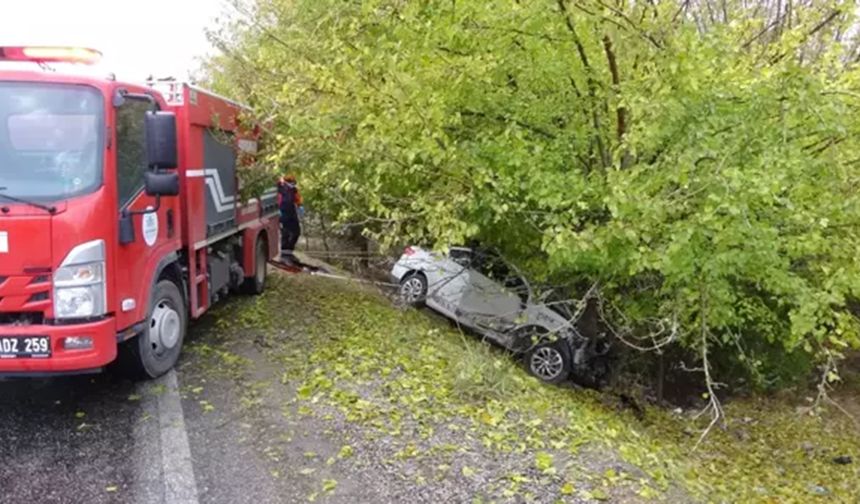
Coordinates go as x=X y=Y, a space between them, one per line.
x=120 y=216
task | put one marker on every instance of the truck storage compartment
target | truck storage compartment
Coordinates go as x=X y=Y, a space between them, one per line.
x=219 y=161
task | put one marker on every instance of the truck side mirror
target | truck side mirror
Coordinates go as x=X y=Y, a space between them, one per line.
x=161 y=140
x=160 y=184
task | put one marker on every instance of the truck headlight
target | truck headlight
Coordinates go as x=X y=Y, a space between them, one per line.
x=79 y=282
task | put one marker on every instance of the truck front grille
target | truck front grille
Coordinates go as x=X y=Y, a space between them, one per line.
x=22 y=318
x=24 y=299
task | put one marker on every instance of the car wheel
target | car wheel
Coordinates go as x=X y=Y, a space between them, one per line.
x=549 y=361
x=155 y=351
x=413 y=289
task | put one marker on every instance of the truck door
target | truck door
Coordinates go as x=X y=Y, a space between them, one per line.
x=153 y=232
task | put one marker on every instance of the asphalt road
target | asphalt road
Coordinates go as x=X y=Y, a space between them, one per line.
x=66 y=439
x=104 y=439
x=94 y=439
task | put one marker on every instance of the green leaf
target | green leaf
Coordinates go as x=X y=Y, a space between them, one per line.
x=567 y=489
x=544 y=462
x=599 y=494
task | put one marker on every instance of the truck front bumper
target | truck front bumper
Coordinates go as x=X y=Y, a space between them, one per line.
x=103 y=351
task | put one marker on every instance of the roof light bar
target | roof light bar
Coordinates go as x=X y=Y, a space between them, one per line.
x=51 y=54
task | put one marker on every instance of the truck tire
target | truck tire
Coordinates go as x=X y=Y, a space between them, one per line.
x=255 y=285
x=155 y=351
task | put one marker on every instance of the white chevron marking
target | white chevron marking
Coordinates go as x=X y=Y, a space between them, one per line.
x=216 y=190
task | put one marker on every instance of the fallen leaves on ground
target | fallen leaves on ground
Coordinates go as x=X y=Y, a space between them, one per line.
x=401 y=375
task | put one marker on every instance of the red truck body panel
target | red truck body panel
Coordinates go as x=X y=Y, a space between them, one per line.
x=34 y=242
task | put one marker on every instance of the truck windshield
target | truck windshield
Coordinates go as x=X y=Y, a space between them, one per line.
x=50 y=140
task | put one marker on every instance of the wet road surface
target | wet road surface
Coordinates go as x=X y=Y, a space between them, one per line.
x=67 y=439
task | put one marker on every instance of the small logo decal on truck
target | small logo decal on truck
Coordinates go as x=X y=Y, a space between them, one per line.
x=4 y=242
x=150 y=228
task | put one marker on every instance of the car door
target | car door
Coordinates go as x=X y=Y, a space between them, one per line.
x=486 y=303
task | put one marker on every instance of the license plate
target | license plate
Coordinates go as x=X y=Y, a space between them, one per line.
x=25 y=347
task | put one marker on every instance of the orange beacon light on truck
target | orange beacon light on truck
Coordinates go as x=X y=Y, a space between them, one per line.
x=50 y=54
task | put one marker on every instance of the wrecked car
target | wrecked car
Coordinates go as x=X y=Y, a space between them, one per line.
x=477 y=290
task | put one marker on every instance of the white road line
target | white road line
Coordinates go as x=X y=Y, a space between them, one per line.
x=179 y=484
x=163 y=467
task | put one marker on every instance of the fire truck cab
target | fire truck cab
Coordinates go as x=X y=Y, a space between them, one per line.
x=120 y=217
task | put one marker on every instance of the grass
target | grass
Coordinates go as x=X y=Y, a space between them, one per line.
x=483 y=372
x=402 y=374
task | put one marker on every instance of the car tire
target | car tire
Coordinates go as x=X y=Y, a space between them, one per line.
x=256 y=284
x=155 y=351
x=549 y=361
x=413 y=289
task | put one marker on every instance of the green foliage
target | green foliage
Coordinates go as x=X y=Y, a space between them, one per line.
x=703 y=172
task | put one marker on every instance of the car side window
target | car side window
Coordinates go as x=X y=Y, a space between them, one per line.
x=463 y=257
x=491 y=266
x=496 y=269
x=130 y=149
x=516 y=285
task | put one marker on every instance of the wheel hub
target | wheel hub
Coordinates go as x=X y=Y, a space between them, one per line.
x=547 y=363
x=164 y=328
x=411 y=290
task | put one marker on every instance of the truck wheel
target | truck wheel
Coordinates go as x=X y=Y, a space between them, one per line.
x=256 y=284
x=155 y=351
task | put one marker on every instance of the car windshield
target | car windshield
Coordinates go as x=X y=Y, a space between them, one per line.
x=50 y=140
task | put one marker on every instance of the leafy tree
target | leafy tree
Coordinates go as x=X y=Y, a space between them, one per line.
x=695 y=159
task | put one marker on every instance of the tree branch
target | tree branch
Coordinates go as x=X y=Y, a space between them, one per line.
x=714 y=406
x=820 y=26
x=592 y=85
x=503 y=118
x=634 y=26
x=620 y=111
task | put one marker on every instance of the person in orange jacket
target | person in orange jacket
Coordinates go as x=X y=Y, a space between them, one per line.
x=291 y=207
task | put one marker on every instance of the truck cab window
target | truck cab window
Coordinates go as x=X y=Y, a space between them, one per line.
x=130 y=149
